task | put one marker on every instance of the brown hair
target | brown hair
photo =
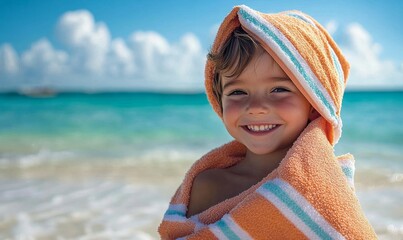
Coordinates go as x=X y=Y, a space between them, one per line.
x=232 y=58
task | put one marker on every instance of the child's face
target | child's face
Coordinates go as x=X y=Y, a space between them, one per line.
x=262 y=108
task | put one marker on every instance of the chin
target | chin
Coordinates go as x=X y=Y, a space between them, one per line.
x=266 y=150
x=260 y=150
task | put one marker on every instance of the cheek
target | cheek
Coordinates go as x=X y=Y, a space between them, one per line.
x=293 y=105
x=231 y=110
x=228 y=109
x=284 y=103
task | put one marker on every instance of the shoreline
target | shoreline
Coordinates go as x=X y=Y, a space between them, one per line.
x=111 y=200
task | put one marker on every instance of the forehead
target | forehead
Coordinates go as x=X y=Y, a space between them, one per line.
x=262 y=67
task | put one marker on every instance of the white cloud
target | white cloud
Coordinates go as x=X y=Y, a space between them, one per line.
x=168 y=64
x=88 y=41
x=188 y=54
x=120 y=59
x=42 y=60
x=331 y=27
x=8 y=60
x=368 y=69
x=152 y=49
x=93 y=59
x=147 y=60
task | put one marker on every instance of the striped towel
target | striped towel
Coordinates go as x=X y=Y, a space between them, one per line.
x=311 y=194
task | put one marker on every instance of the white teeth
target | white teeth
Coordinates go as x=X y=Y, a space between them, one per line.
x=261 y=128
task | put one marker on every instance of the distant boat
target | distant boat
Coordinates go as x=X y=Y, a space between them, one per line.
x=40 y=92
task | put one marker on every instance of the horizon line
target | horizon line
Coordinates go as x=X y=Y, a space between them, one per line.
x=50 y=91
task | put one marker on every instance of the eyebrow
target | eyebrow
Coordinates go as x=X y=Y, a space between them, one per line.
x=230 y=83
x=236 y=81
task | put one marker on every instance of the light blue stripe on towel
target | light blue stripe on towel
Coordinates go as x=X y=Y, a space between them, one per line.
x=301 y=17
x=294 y=207
x=174 y=212
x=227 y=230
x=348 y=171
x=176 y=209
x=298 y=210
x=291 y=56
x=336 y=62
x=340 y=74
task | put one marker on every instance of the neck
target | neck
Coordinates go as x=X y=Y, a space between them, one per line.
x=261 y=165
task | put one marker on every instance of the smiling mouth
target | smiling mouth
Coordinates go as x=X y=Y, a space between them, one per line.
x=260 y=128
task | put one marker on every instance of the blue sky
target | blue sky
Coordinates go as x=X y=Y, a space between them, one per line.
x=162 y=44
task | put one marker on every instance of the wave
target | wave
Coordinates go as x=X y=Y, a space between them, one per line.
x=134 y=157
x=85 y=210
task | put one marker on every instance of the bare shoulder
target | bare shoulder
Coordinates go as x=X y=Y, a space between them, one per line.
x=204 y=191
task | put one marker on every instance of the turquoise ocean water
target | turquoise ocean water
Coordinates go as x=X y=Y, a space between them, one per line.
x=91 y=166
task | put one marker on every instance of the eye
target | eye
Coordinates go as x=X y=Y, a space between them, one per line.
x=279 y=89
x=236 y=92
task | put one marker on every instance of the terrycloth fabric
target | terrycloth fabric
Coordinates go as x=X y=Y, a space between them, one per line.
x=303 y=49
x=309 y=196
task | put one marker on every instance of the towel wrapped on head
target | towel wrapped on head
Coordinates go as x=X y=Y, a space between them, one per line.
x=303 y=49
x=310 y=195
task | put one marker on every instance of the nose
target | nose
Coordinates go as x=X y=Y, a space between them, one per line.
x=257 y=105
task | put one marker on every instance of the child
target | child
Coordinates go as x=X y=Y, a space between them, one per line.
x=277 y=82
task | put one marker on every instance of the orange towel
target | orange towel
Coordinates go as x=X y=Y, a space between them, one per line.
x=310 y=195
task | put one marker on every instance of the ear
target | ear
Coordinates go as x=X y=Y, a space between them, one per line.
x=313 y=114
